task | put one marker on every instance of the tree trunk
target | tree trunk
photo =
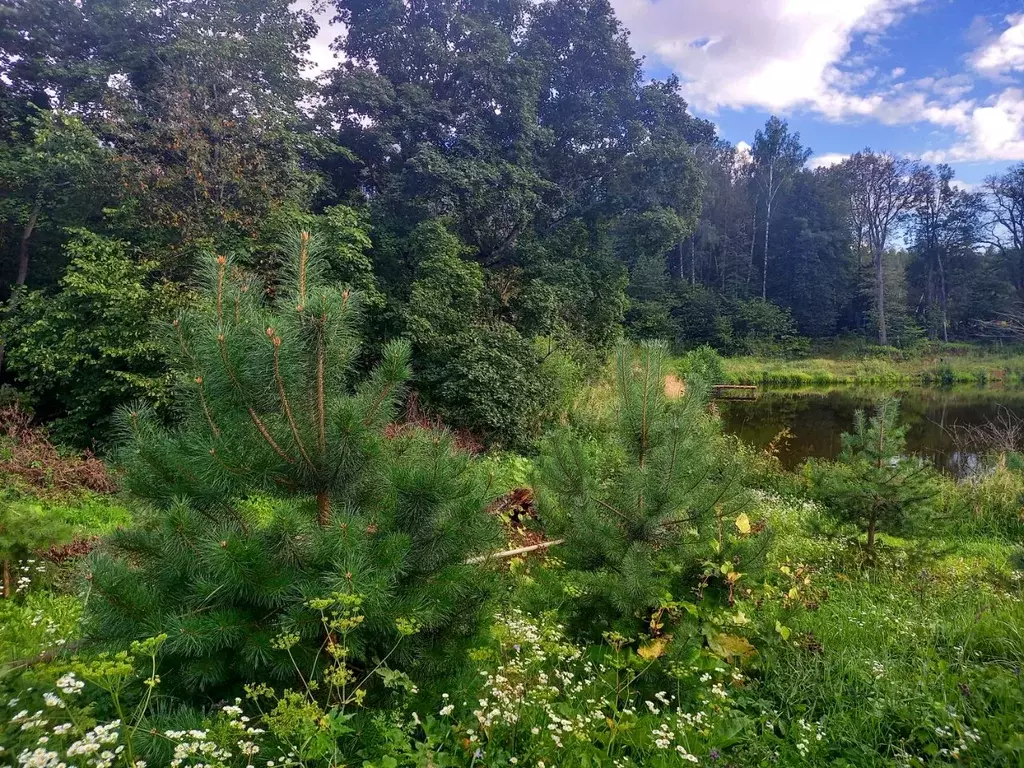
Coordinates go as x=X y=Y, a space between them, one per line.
x=943 y=301
x=753 y=244
x=872 y=523
x=323 y=509
x=883 y=335
x=26 y=235
x=764 y=274
x=7 y=580
x=22 y=276
x=693 y=259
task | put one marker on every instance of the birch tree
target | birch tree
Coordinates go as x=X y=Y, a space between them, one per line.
x=777 y=156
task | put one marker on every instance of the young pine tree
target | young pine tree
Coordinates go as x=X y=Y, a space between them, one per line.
x=874 y=484
x=641 y=522
x=285 y=485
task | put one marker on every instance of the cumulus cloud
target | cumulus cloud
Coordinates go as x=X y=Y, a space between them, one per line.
x=773 y=54
x=789 y=55
x=1005 y=54
x=826 y=160
x=992 y=132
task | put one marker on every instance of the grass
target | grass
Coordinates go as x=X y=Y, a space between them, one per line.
x=914 y=660
x=876 y=366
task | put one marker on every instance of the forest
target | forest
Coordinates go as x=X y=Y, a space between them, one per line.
x=371 y=415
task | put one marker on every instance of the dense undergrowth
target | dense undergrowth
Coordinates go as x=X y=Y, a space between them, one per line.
x=823 y=657
x=296 y=573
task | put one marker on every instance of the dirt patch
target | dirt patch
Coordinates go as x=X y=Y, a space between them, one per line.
x=675 y=387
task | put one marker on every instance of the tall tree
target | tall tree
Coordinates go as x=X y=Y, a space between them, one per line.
x=812 y=251
x=947 y=223
x=884 y=189
x=199 y=100
x=53 y=175
x=777 y=156
x=1005 y=222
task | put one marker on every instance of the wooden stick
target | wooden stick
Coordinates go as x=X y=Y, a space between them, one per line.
x=513 y=552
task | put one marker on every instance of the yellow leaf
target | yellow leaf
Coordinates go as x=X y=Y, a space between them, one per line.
x=743 y=523
x=728 y=646
x=783 y=630
x=794 y=593
x=653 y=649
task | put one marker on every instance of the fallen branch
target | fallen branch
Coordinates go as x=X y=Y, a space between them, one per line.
x=513 y=552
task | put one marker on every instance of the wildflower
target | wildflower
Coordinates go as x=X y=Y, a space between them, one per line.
x=53 y=700
x=69 y=684
x=447 y=710
x=40 y=758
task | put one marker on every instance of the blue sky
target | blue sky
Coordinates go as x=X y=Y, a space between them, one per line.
x=942 y=80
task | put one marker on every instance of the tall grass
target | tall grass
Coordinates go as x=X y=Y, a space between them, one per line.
x=930 y=369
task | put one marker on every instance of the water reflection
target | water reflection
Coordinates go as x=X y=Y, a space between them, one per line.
x=817 y=418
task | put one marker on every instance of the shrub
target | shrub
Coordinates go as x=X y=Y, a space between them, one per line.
x=352 y=513
x=477 y=372
x=703 y=363
x=90 y=347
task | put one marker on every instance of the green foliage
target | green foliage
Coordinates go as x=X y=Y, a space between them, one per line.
x=640 y=520
x=874 y=484
x=90 y=347
x=703 y=363
x=54 y=174
x=698 y=316
x=764 y=329
x=991 y=502
x=271 y=406
x=478 y=373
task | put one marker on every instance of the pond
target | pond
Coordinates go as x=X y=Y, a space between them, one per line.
x=817 y=418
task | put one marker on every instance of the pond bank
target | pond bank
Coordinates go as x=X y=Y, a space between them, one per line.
x=879 y=369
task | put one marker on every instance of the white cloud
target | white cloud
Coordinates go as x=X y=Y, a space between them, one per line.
x=788 y=55
x=993 y=132
x=826 y=160
x=964 y=186
x=772 y=54
x=1005 y=54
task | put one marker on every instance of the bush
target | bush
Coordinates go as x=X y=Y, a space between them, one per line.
x=285 y=490
x=703 y=363
x=90 y=347
x=476 y=372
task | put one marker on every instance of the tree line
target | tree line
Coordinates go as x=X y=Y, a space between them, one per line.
x=496 y=179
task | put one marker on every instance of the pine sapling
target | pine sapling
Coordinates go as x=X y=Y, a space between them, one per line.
x=282 y=486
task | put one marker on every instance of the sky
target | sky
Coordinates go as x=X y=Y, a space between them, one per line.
x=939 y=80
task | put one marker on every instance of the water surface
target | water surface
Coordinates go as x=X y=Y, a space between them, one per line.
x=817 y=418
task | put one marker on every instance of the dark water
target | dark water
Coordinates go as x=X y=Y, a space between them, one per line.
x=816 y=419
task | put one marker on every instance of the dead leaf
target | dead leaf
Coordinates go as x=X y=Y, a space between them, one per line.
x=729 y=646
x=654 y=649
